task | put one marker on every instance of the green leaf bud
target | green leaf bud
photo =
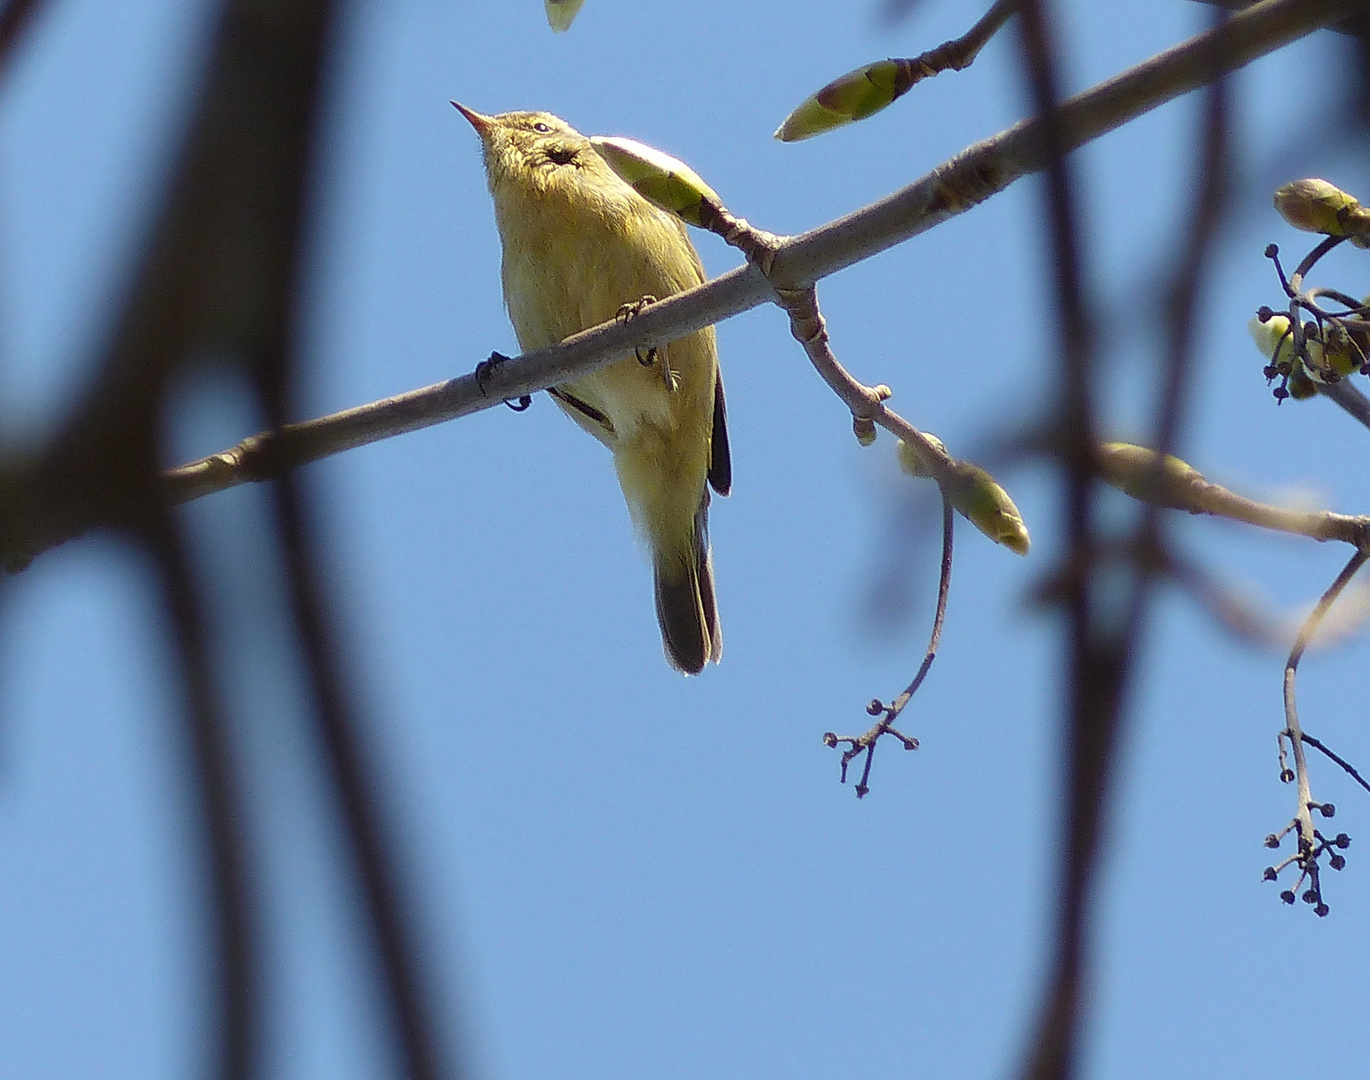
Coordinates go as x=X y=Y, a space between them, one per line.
x=853 y=96
x=1315 y=205
x=662 y=180
x=561 y=13
x=975 y=495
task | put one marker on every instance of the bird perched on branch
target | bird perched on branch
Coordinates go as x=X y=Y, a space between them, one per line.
x=580 y=248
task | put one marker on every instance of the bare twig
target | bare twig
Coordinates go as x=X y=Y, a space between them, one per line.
x=1351 y=769
x=890 y=713
x=1310 y=843
x=867 y=406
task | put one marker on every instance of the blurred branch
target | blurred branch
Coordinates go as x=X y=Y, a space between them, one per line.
x=216 y=285
x=15 y=18
x=338 y=730
x=1093 y=662
x=235 y=973
x=1355 y=24
x=1175 y=485
x=1350 y=398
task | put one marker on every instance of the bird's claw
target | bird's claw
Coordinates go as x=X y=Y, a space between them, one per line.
x=483 y=370
x=649 y=356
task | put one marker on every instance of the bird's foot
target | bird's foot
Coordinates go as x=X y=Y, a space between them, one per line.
x=483 y=371
x=649 y=356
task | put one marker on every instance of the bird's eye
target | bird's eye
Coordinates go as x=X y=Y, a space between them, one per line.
x=542 y=129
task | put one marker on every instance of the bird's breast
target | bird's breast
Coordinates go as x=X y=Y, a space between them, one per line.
x=570 y=265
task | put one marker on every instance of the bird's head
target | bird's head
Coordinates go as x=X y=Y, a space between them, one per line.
x=526 y=147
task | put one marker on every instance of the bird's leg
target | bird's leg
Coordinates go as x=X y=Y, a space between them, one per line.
x=648 y=358
x=483 y=370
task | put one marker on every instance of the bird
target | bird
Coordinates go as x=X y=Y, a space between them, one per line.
x=581 y=247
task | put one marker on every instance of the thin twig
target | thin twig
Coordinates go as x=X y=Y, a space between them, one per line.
x=959 y=53
x=943 y=592
x=1291 y=710
x=890 y=713
x=1317 y=745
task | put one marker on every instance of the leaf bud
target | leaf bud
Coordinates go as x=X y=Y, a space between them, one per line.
x=853 y=96
x=1315 y=205
x=662 y=180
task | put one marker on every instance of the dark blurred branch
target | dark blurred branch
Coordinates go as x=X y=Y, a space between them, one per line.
x=216 y=285
x=1350 y=398
x=1105 y=625
x=338 y=729
x=1094 y=671
x=15 y=18
x=235 y=968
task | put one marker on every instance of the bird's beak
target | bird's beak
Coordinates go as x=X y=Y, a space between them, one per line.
x=481 y=123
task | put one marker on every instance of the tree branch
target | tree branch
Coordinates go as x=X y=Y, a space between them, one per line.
x=952 y=188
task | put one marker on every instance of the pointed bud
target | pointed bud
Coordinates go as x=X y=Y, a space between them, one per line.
x=975 y=495
x=853 y=96
x=659 y=178
x=1317 y=206
x=988 y=507
x=560 y=13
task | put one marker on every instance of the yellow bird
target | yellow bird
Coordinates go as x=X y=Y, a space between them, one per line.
x=580 y=248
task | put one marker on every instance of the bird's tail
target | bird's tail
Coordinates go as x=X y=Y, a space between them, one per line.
x=686 y=608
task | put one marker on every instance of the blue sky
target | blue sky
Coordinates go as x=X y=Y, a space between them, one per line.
x=620 y=871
